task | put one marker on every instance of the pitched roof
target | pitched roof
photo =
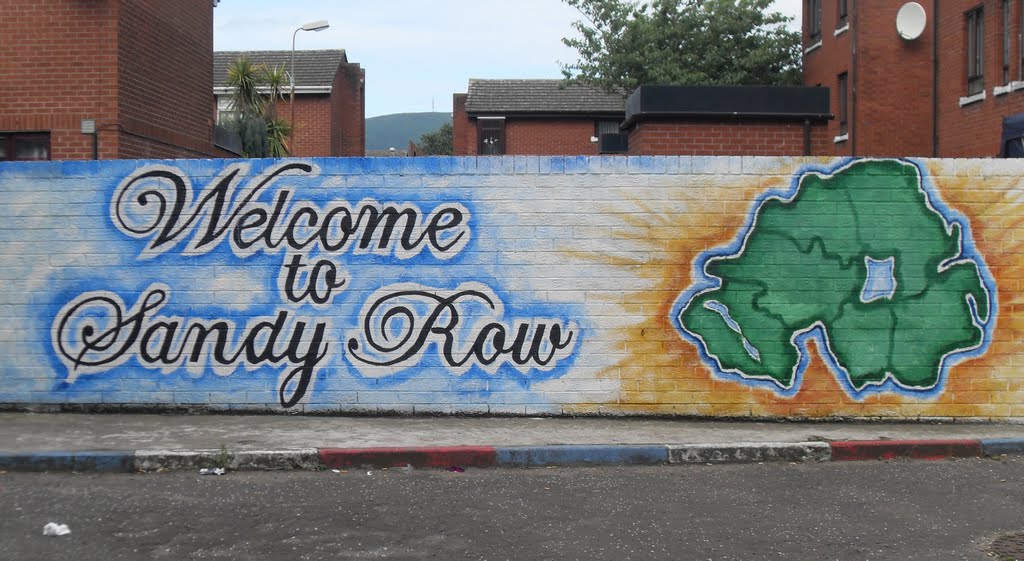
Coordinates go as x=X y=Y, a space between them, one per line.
x=539 y=96
x=312 y=68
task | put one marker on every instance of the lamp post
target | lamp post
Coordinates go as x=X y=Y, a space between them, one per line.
x=318 y=25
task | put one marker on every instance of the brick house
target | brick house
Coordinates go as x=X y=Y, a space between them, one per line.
x=138 y=69
x=532 y=117
x=941 y=92
x=329 y=99
x=727 y=121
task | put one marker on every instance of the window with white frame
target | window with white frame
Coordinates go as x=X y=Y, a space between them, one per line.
x=1006 y=42
x=225 y=110
x=842 y=93
x=975 y=51
x=814 y=21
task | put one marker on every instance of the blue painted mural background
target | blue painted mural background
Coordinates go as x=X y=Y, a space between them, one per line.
x=159 y=282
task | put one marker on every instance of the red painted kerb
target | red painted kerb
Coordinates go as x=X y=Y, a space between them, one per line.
x=437 y=457
x=916 y=449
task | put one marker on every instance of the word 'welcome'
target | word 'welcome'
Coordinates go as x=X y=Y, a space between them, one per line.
x=159 y=204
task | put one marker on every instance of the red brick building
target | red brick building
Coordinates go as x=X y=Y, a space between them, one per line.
x=940 y=92
x=533 y=117
x=727 y=121
x=140 y=70
x=543 y=117
x=329 y=99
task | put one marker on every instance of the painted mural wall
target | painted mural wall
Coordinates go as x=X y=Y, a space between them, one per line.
x=765 y=287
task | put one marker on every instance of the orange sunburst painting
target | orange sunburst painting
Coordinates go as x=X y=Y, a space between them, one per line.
x=863 y=288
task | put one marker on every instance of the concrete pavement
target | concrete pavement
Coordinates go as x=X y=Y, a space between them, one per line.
x=129 y=442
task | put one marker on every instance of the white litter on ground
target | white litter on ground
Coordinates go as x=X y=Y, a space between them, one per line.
x=54 y=529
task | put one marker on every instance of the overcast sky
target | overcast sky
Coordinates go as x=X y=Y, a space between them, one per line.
x=416 y=53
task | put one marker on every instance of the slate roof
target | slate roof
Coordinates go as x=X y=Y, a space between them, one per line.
x=539 y=96
x=312 y=68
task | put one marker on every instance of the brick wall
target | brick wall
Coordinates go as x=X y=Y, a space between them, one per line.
x=313 y=124
x=823 y=65
x=141 y=68
x=463 y=130
x=165 y=53
x=653 y=285
x=974 y=129
x=58 y=64
x=348 y=111
x=726 y=137
x=889 y=80
x=891 y=84
x=526 y=136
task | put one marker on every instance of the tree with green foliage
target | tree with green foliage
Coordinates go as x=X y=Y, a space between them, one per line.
x=624 y=44
x=256 y=89
x=279 y=130
x=437 y=143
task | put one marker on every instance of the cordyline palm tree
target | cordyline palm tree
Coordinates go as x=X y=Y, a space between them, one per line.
x=256 y=89
x=278 y=129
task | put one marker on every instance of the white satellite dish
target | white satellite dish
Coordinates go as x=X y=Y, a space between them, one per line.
x=910 y=21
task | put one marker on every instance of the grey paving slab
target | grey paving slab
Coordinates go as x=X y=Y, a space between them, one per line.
x=27 y=432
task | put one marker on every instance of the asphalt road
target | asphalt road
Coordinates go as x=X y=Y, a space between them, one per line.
x=898 y=510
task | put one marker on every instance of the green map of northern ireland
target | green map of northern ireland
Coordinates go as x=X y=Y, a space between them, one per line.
x=862 y=261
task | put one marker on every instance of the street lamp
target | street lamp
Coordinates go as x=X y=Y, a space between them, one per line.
x=318 y=25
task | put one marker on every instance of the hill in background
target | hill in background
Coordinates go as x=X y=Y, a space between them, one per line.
x=386 y=131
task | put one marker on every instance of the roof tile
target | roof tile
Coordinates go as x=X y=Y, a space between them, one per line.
x=312 y=68
x=539 y=96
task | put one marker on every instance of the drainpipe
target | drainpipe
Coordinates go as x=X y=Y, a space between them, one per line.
x=807 y=137
x=935 y=78
x=854 y=29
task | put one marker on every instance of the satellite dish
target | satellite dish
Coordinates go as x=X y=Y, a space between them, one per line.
x=910 y=21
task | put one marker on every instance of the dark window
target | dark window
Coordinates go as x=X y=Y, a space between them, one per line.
x=842 y=94
x=975 y=52
x=1006 y=42
x=492 y=136
x=843 y=15
x=25 y=146
x=814 y=20
x=610 y=139
x=606 y=127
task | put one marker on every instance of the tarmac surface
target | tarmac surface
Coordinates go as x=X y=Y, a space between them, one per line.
x=775 y=511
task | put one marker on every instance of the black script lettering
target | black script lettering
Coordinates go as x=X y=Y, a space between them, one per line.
x=400 y=322
x=164 y=225
x=156 y=203
x=446 y=219
x=96 y=332
x=324 y=270
x=105 y=329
